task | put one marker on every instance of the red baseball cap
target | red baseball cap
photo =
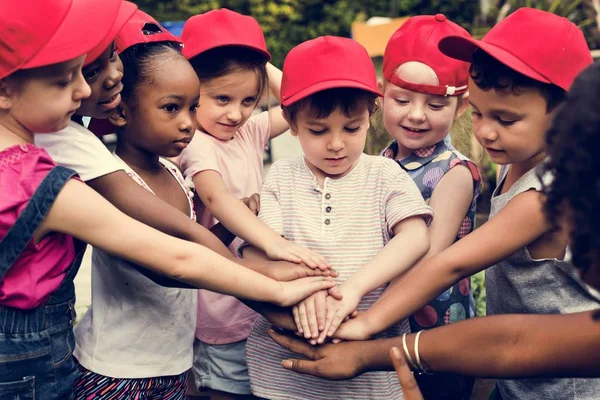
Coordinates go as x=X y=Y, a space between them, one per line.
x=142 y=28
x=220 y=28
x=538 y=44
x=417 y=40
x=327 y=62
x=36 y=33
x=125 y=13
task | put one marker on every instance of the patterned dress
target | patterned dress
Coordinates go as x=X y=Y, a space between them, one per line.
x=427 y=167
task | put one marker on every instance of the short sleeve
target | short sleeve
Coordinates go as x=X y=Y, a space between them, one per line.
x=270 y=205
x=198 y=156
x=401 y=197
x=257 y=130
x=80 y=150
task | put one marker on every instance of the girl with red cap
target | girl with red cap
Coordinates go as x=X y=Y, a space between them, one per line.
x=225 y=163
x=41 y=206
x=424 y=92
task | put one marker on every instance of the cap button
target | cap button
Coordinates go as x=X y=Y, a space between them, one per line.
x=440 y=17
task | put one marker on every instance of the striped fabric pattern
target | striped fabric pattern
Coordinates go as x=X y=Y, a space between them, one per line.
x=348 y=221
x=92 y=386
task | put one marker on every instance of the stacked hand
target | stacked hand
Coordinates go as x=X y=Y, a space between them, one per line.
x=319 y=316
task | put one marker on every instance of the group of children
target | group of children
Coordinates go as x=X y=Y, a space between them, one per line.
x=335 y=231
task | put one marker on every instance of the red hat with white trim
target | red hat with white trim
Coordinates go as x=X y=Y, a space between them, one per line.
x=417 y=40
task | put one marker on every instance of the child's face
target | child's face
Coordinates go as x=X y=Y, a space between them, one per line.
x=511 y=127
x=332 y=145
x=104 y=77
x=163 y=119
x=42 y=100
x=227 y=102
x=417 y=120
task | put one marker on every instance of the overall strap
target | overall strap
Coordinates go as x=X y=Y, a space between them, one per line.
x=20 y=234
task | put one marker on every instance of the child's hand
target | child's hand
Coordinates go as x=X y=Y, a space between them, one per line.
x=310 y=315
x=253 y=203
x=288 y=251
x=354 y=329
x=295 y=291
x=337 y=311
x=286 y=271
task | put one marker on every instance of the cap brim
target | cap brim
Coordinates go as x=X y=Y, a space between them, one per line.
x=190 y=55
x=86 y=24
x=462 y=48
x=335 y=84
x=125 y=13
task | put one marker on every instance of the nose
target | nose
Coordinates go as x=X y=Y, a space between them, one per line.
x=114 y=74
x=187 y=123
x=416 y=114
x=336 y=142
x=234 y=114
x=485 y=132
x=82 y=89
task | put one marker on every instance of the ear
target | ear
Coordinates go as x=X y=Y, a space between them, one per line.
x=462 y=105
x=292 y=126
x=119 y=116
x=381 y=88
x=7 y=91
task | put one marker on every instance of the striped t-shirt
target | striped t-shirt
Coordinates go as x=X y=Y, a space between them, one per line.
x=348 y=221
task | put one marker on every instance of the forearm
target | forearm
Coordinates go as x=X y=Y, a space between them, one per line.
x=515 y=346
x=503 y=346
x=275 y=75
x=398 y=256
x=411 y=293
x=239 y=220
x=280 y=317
x=222 y=234
x=135 y=201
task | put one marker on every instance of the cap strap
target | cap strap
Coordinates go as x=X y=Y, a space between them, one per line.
x=429 y=89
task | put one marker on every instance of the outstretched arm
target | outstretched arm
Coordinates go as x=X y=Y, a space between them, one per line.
x=502 y=346
x=243 y=223
x=81 y=212
x=522 y=217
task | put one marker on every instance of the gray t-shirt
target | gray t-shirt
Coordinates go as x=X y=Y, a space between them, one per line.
x=522 y=285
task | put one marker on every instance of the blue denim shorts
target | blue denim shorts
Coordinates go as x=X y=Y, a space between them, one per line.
x=221 y=367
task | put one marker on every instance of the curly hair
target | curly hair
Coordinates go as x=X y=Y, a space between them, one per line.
x=573 y=142
x=489 y=73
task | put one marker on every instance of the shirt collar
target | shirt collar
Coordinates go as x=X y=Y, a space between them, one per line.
x=417 y=158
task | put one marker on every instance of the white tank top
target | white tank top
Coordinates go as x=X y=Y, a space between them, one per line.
x=134 y=327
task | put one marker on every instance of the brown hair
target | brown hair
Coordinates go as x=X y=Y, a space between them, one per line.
x=222 y=61
x=323 y=103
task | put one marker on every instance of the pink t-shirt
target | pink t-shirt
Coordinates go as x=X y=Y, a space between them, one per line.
x=40 y=268
x=224 y=319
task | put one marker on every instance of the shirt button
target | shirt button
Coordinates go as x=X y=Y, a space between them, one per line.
x=327 y=196
x=328 y=209
x=327 y=222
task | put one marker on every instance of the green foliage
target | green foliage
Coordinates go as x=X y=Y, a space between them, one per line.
x=478 y=286
x=287 y=23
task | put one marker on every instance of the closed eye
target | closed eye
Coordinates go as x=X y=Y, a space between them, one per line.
x=317 y=131
x=352 y=130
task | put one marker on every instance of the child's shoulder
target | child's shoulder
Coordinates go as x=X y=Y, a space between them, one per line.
x=23 y=168
x=287 y=165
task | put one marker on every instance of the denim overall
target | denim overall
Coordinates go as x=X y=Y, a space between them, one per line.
x=36 y=345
